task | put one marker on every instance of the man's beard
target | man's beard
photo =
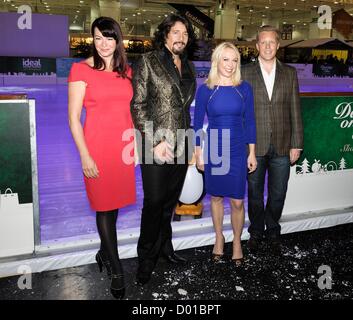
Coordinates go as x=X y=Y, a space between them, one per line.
x=178 y=51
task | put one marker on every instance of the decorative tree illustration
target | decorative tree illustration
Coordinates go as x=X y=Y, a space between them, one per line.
x=305 y=166
x=343 y=164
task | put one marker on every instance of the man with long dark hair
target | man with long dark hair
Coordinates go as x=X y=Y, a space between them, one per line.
x=164 y=87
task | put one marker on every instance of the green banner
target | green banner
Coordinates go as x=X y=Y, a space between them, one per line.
x=328 y=134
x=15 y=151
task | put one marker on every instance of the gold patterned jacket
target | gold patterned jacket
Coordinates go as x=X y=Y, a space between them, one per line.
x=158 y=107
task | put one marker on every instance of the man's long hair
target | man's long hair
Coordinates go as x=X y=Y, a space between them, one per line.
x=164 y=27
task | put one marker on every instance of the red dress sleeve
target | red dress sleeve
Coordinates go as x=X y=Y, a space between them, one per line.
x=78 y=72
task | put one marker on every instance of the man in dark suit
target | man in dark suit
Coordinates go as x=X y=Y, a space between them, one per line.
x=164 y=87
x=279 y=136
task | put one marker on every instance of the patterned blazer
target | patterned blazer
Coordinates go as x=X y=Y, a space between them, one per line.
x=278 y=121
x=158 y=100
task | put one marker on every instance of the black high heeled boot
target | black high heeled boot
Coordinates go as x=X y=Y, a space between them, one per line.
x=103 y=263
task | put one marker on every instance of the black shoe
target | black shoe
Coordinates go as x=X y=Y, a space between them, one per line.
x=174 y=258
x=143 y=277
x=117 y=286
x=253 y=244
x=103 y=263
x=275 y=245
x=144 y=271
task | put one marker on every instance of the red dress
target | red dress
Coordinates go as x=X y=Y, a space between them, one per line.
x=107 y=102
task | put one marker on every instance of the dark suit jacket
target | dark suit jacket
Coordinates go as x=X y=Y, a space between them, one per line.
x=158 y=99
x=278 y=121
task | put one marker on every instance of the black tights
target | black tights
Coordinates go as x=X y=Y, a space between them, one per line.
x=106 y=225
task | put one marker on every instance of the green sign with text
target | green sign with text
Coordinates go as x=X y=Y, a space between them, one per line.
x=328 y=134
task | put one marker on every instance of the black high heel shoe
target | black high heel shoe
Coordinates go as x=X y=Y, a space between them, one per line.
x=101 y=263
x=117 y=286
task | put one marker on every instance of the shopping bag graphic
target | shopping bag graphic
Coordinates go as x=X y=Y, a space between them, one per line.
x=16 y=225
x=8 y=201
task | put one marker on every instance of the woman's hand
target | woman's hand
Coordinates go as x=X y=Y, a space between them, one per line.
x=89 y=167
x=252 y=163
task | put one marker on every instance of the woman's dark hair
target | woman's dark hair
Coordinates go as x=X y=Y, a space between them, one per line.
x=164 y=27
x=110 y=28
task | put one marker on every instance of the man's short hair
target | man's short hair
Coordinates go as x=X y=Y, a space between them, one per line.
x=268 y=28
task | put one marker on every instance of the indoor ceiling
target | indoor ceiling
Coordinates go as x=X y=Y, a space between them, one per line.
x=149 y=12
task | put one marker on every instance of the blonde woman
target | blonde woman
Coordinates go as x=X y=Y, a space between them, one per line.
x=230 y=142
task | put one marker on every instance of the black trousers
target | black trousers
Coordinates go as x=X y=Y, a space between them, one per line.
x=162 y=185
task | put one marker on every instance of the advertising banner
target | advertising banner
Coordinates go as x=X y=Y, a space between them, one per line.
x=32 y=34
x=17 y=136
x=328 y=134
x=22 y=66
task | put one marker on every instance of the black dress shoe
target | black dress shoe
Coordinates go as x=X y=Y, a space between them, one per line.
x=253 y=244
x=174 y=258
x=143 y=277
x=275 y=244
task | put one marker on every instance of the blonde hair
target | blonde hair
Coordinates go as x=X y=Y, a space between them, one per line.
x=213 y=77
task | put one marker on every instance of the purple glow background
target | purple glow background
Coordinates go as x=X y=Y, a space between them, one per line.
x=47 y=38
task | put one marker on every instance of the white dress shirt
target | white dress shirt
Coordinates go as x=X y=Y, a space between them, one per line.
x=269 y=78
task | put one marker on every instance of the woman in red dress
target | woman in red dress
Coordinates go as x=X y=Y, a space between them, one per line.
x=102 y=84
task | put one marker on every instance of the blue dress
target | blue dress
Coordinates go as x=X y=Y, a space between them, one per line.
x=231 y=126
